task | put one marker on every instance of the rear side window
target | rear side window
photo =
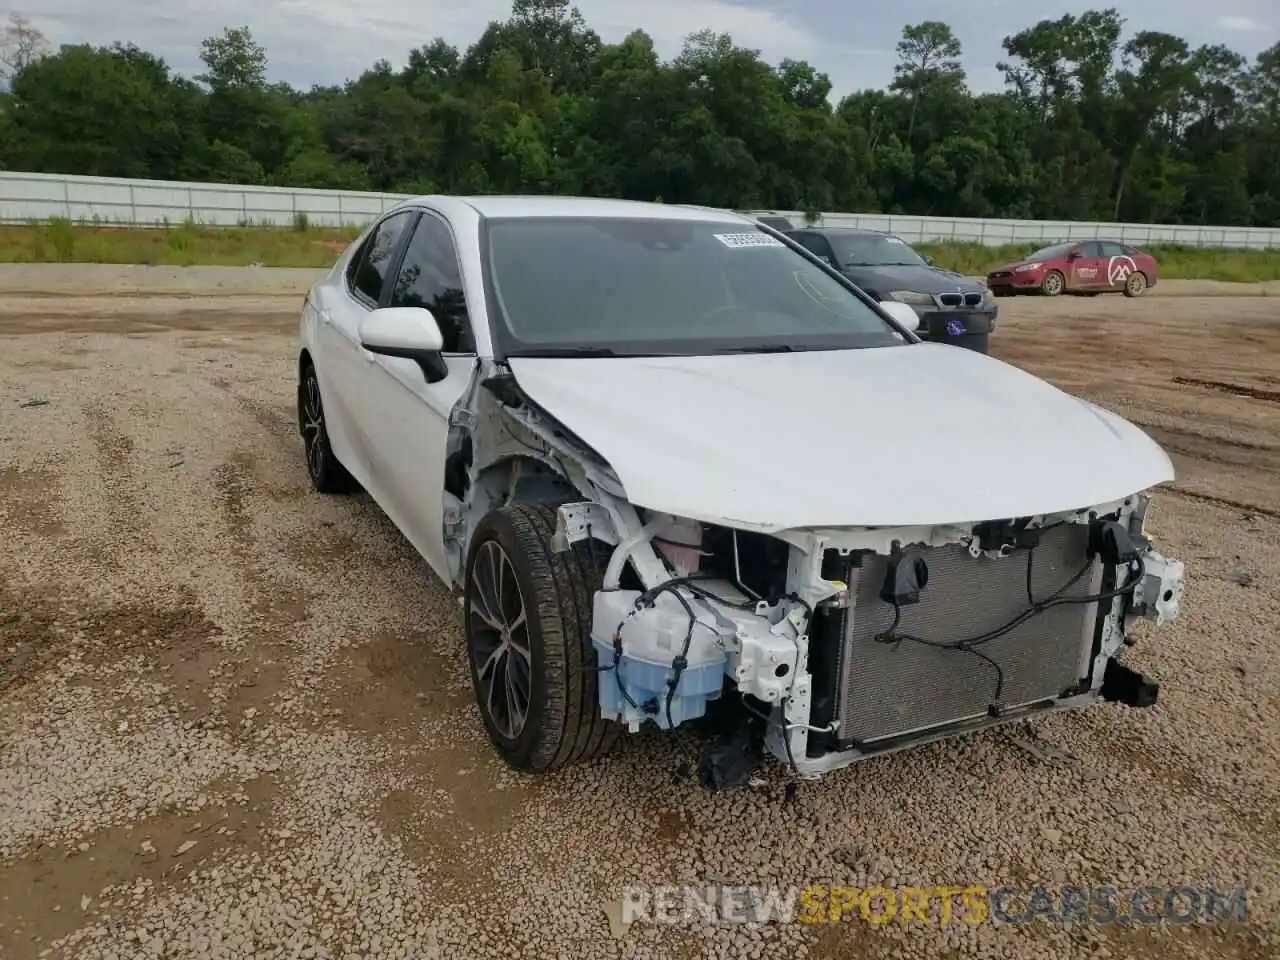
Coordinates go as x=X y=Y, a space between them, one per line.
x=430 y=277
x=1115 y=250
x=370 y=264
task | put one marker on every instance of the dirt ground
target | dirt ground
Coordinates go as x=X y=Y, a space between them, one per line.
x=236 y=718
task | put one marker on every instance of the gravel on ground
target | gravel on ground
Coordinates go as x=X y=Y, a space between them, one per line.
x=236 y=717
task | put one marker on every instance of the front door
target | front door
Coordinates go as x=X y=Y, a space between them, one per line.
x=406 y=418
x=1088 y=269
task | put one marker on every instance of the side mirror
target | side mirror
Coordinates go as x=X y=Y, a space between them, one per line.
x=901 y=312
x=929 y=260
x=1073 y=255
x=408 y=332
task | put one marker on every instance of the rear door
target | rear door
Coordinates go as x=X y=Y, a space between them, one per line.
x=342 y=361
x=1087 y=267
x=1119 y=265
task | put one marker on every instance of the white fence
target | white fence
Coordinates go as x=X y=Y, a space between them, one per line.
x=112 y=201
x=26 y=197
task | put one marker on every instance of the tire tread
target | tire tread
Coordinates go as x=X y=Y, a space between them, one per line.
x=563 y=583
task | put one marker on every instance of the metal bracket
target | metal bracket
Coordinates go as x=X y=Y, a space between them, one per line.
x=578 y=521
x=460 y=416
x=1160 y=590
x=454 y=521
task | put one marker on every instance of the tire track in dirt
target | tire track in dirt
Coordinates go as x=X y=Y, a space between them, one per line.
x=1241 y=505
x=120 y=477
x=1235 y=389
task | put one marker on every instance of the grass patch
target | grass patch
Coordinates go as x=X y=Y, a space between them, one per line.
x=1176 y=263
x=302 y=244
x=186 y=244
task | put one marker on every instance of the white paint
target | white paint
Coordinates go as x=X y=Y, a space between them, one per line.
x=400 y=328
x=1119 y=268
x=901 y=312
x=896 y=436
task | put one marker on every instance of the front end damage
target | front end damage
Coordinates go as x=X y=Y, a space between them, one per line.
x=853 y=643
x=839 y=644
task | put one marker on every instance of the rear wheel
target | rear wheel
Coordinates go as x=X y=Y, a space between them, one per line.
x=327 y=474
x=528 y=625
x=1053 y=283
x=1136 y=285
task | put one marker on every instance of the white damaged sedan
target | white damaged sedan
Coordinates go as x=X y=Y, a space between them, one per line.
x=676 y=465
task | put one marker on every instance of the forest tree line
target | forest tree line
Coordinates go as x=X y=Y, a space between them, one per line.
x=1095 y=122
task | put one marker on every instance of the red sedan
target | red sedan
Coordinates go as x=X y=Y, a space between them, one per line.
x=1082 y=267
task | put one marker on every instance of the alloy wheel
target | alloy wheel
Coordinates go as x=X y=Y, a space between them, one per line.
x=313 y=434
x=500 y=640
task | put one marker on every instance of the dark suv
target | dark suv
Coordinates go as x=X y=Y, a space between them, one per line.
x=886 y=268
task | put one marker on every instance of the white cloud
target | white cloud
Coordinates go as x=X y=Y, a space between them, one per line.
x=330 y=40
x=1242 y=24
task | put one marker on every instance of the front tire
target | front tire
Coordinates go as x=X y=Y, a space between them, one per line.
x=1136 y=285
x=528 y=626
x=327 y=473
x=1053 y=283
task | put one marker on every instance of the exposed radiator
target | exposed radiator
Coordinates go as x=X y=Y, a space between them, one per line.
x=887 y=689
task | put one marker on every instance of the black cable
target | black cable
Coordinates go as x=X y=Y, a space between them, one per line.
x=891 y=635
x=782 y=727
x=786 y=738
x=691 y=583
x=617 y=674
x=680 y=661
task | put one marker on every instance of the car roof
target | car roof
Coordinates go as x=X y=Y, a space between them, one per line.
x=548 y=206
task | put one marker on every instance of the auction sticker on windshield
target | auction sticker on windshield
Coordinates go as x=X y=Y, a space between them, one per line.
x=742 y=240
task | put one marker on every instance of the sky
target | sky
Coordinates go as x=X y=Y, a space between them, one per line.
x=328 y=41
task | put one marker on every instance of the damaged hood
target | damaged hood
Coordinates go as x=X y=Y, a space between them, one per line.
x=896 y=436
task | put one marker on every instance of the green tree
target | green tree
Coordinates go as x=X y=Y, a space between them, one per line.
x=233 y=60
x=1096 y=121
x=928 y=59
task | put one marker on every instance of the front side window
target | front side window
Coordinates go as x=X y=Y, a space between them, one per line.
x=370 y=265
x=818 y=245
x=874 y=250
x=1090 y=249
x=665 y=287
x=430 y=277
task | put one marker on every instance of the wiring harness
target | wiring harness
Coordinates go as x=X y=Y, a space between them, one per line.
x=1107 y=538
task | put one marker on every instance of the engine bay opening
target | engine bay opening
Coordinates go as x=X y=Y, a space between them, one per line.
x=755 y=563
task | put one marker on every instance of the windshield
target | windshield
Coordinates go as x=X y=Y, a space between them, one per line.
x=873 y=250
x=606 y=286
x=1051 y=253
